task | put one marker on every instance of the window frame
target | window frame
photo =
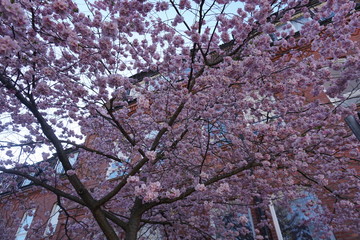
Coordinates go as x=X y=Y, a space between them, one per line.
x=351 y=93
x=26 y=220
x=276 y=221
x=53 y=220
x=226 y=213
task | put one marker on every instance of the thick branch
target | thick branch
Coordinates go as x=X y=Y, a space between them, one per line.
x=112 y=217
x=38 y=182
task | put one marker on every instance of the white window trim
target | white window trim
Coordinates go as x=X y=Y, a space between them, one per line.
x=275 y=221
x=252 y=223
x=277 y=225
x=26 y=220
x=53 y=220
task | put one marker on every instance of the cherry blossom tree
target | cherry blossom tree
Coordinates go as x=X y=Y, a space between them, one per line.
x=232 y=105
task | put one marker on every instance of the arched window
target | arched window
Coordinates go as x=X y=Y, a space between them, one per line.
x=25 y=224
x=53 y=220
x=299 y=220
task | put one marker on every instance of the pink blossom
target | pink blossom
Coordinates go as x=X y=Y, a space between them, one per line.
x=9 y=153
x=184 y=4
x=110 y=28
x=173 y=193
x=223 y=188
x=200 y=187
x=243 y=219
x=151 y=155
x=60 y=5
x=162 y=6
x=70 y=172
x=150 y=196
x=8 y=46
x=140 y=190
x=178 y=19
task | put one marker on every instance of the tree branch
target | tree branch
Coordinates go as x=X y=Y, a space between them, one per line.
x=38 y=182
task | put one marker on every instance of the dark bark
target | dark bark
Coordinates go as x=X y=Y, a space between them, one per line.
x=133 y=225
x=133 y=228
x=104 y=225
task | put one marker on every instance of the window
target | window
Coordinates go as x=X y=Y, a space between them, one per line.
x=238 y=225
x=149 y=231
x=294 y=25
x=218 y=132
x=72 y=159
x=297 y=221
x=27 y=182
x=117 y=169
x=53 y=220
x=351 y=93
x=298 y=23
x=245 y=226
x=25 y=224
x=155 y=78
x=151 y=135
x=326 y=19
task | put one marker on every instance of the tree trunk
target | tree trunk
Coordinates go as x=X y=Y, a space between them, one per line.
x=133 y=225
x=133 y=228
x=104 y=225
